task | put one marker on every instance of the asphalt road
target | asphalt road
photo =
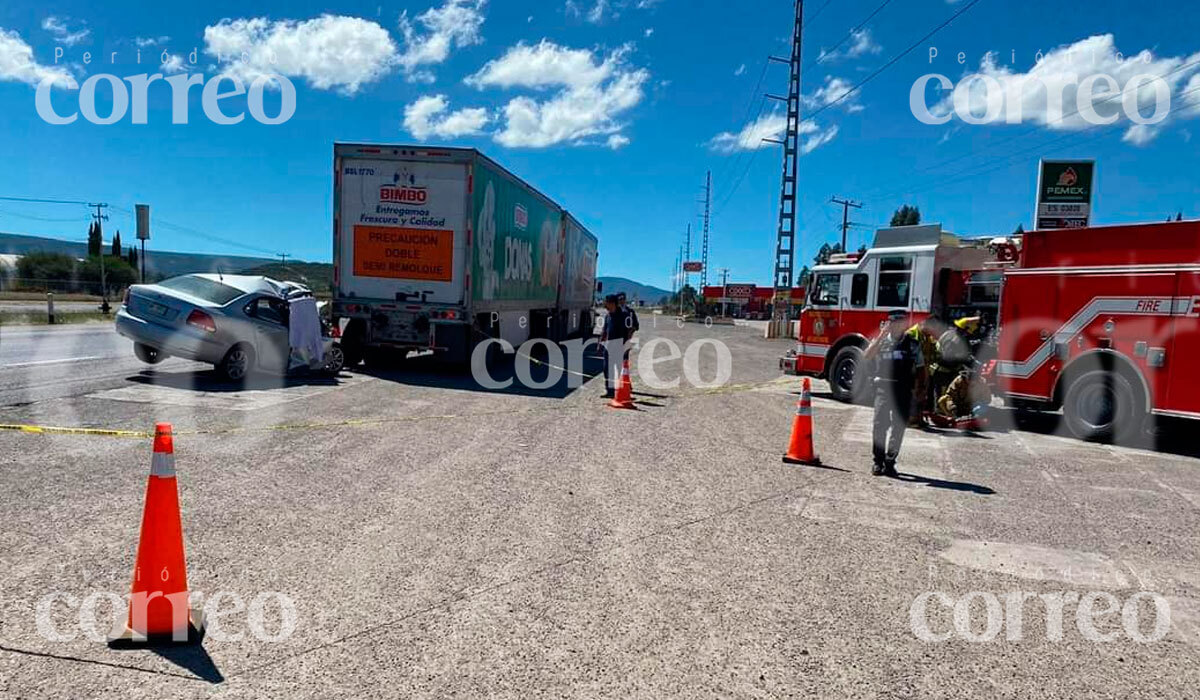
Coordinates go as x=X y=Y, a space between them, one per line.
x=439 y=540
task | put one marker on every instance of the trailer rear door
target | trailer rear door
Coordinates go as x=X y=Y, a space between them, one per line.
x=403 y=230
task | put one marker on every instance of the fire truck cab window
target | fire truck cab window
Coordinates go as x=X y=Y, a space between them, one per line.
x=858 y=289
x=895 y=280
x=826 y=289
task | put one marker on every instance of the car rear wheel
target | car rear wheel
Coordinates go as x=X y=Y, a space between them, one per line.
x=147 y=354
x=236 y=364
x=335 y=360
x=1103 y=406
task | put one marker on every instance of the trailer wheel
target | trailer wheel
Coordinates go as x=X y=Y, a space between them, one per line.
x=843 y=372
x=352 y=343
x=1102 y=406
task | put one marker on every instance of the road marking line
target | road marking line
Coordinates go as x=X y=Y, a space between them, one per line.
x=53 y=362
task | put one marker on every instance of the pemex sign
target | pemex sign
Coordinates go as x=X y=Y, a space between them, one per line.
x=1064 y=193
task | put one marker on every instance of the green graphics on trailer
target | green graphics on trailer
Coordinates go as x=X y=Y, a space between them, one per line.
x=579 y=279
x=517 y=255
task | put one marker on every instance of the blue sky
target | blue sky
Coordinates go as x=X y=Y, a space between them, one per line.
x=614 y=108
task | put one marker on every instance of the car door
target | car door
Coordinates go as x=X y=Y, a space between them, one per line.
x=269 y=316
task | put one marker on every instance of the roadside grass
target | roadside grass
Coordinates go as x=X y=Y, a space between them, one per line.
x=30 y=318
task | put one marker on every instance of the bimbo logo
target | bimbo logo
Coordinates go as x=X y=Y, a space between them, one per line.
x=404 y=189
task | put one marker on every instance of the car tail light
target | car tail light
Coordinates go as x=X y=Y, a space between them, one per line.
x=201 y=320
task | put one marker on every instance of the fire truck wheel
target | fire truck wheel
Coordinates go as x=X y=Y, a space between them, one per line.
x=842 y=374
x=1102 y=406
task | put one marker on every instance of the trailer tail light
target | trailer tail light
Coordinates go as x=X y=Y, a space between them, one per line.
x=450 y=315
x=201 y=320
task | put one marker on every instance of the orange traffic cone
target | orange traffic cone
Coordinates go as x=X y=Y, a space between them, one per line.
x=159 y=610
x=624 y=397
x=800 y=449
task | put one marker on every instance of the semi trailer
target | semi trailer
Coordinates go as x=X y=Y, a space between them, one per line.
x=440 y=249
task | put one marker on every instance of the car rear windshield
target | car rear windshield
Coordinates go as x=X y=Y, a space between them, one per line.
x=203 y=288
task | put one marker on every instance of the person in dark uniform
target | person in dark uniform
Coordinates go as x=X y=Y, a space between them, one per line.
x=898 y=359
x=631 y=317
x=612 y=341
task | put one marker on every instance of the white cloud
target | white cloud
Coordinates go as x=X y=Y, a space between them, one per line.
x=600 y=10
x=62 y=33
x=1022 y=97
x=861 y=44
x=617 y=141
x=767 y=126
x=649 y=32
x=173 y=64
x=740 y=69
x=455 y=24
x=144 y=41
x=772 y=126
x=813 y=137
x=591 y=93
x=17 y=62
x=330 y=51
x=831 y=92
x=429 y=116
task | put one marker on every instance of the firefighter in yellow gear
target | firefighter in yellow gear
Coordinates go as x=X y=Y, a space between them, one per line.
x=959 y=384
x=923 y=389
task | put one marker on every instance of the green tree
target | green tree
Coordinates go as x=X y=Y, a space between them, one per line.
x=118 y=273
x=826 y=251
x=906 y=216
x=40 y=270
x=116 y=244
x=132 y=257
x=1179 y=216
x=95 y=242
x=1020 y=230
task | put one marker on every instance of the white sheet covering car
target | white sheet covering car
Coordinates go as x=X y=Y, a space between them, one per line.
x=238 y=323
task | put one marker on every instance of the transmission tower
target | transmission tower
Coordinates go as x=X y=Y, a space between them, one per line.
x=704 y=245
x=785 y=245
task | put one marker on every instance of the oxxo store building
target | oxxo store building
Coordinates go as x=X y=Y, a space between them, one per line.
x=748 y=301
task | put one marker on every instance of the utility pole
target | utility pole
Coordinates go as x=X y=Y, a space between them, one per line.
x=704 y=245
x=687 y=254
x=846 y=205
x=724 y=289
x=101 y=216
x=282 y=258
x=785 y=246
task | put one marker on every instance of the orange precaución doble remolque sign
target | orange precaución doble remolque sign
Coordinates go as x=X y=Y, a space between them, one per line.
x=405 y=253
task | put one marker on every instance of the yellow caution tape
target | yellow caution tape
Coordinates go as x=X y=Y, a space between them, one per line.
x=55 y=430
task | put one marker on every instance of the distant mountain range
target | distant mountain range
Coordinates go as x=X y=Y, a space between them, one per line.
x=319 y=276
x=166 y=264
x=634 y=290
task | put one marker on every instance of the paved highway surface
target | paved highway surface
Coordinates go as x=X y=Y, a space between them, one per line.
x=439 y=540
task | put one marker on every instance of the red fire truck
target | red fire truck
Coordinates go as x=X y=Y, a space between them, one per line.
x=1100 y=322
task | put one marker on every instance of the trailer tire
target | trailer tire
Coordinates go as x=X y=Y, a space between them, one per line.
x=352 y=343
x=844 y=376
x=1103 y=406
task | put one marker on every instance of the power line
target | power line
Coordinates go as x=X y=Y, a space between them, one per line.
x=980 y=168
x=857 y=28
x=857 y=86
x=202 y=235
x=1030 y=130
x=45 y=201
